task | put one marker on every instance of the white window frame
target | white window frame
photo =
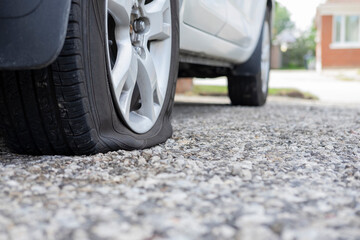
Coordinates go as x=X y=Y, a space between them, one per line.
x=343 y=44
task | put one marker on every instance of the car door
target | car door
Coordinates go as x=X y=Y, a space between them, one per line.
x=206 y=15
x=220 y=29
x=244 y=21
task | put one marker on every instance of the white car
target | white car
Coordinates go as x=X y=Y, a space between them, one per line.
x=89 y=76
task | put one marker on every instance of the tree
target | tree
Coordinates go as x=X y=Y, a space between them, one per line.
x=311 y=38
x=301 y=51
x=282 y=19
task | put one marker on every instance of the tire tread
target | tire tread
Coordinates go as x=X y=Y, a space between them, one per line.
x=46 y=111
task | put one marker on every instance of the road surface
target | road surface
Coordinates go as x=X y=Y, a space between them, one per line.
x=290 y=170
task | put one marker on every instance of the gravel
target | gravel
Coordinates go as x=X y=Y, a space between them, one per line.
x=290 y=170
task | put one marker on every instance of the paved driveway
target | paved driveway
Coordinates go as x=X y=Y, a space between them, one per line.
x=290 y=170
x=326 y=86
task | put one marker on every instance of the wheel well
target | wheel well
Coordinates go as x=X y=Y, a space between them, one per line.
x=201 y=71
x=270 y=4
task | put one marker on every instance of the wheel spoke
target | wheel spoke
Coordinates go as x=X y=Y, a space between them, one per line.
x=147 y=85
x=148 y=70
x=124 y=61
x=124 y=77
x=156 y=12
x=121 y=10
x=158 y=97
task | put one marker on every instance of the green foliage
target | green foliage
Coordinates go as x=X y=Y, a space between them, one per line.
x=282 y=19
x=301 y=51
x=310 y=39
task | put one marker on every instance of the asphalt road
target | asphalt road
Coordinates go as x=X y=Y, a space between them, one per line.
x=290 y=170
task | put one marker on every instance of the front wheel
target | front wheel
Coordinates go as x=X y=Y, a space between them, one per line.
x=252 y=89
x=112 y=87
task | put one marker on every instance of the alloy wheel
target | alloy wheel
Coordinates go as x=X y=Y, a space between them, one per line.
x=139 y=47
x=265 y=57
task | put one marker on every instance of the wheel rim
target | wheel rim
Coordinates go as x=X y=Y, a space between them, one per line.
x=265 y=58
x=139 y=54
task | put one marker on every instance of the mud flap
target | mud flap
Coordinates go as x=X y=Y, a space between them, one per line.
x=32 y=33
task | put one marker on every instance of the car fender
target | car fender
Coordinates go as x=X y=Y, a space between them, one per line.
x=32 y=33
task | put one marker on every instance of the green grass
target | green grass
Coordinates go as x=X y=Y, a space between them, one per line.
x=342 y=77
x=292 y=68
x=204 y=90
x=291 y=92
x=210 y=90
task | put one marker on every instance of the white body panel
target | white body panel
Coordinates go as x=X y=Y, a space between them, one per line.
x=222 y=29
x=210 y=18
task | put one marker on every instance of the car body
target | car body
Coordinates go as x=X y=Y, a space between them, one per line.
x=89 y=76
x=222 y=30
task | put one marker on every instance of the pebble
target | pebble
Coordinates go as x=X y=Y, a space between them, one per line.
x=289 y=170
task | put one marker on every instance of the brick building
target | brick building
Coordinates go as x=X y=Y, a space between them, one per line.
x=338 y=24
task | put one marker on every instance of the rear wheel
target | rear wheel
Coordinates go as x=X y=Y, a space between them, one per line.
x=252 y=89
x=112 y=87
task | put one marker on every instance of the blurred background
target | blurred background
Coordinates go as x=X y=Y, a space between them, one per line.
x=315 y=53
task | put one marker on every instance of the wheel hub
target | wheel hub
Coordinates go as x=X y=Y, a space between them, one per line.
x=139 y=25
